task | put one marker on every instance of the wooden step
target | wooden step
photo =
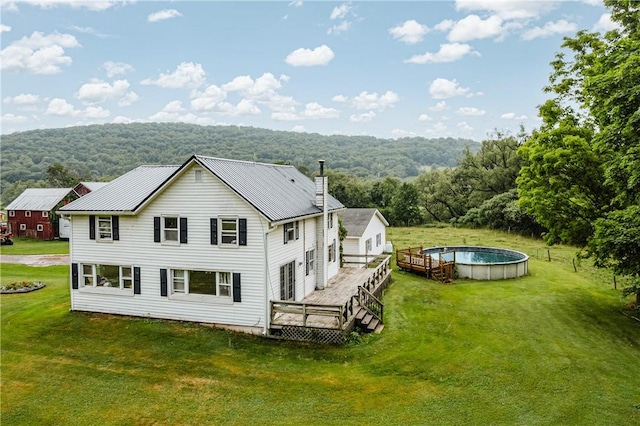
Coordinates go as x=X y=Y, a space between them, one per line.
x=366 y=320
x=379 y=328
x=361 y=313
x=373 y=324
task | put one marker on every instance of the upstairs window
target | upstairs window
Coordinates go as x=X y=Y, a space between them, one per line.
x=170 y=228
x=378 y=240
x=12 y=213
x=27 y=213
x=104 y=227
x=229 y=231
x=45 y=214
x=368 y=245
x=291 y=231
x=330 y=220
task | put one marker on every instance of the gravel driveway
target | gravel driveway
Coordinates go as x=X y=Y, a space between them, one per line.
x=36 y=260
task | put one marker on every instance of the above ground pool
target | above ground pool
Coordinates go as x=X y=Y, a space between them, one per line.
x=483 y=263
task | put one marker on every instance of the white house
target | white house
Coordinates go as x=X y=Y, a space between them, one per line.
x=366 y=233
x=211 y=241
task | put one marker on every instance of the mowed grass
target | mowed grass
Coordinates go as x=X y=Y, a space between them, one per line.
x=24 y=246
x=551 y=348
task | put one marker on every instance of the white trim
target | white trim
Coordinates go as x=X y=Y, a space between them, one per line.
x=39 y=227
x=12 y=213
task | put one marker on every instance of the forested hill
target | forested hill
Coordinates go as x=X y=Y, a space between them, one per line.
x=106 y=151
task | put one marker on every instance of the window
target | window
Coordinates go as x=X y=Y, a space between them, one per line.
x=198 y=175
x=288 y=281
x=12 y=213
x=27 y=213
x=330 y=220
x=45 y=214
x=310 y=257
x=201 y=282
x=113 y=276
x=170 y=228
x=229 y=231
x=378 y=240
x=23 y=226
x=367 y=245
x=291 y=231
x=39 y=227
x=104 y=227
x=332 y=253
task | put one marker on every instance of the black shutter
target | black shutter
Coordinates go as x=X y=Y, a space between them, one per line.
x=236 y=287
x=115 y=228
x=242 y=234
x=163 y=282
x=183 y=230
x=297 y=230
x=284 y=228
x=136 y=280
x=214 y=230
x=74 y=276
x=92 y=227
x=156 y=229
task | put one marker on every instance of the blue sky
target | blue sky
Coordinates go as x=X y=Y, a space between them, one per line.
x=387 y=69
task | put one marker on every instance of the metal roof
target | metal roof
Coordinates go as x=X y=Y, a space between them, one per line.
x=279 y=192
x=92 y=186
x=124 y=194
x=356 y=221
x=43 y=199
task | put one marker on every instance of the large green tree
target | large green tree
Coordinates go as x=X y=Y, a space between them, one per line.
x=583 y=177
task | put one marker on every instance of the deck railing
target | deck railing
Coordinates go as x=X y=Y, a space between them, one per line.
x=308 y=309
x=371 y=303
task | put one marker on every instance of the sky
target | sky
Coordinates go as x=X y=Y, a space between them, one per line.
x=432 y=69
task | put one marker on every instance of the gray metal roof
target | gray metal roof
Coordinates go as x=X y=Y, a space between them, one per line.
x=44 y=199
x=124 y=194
x=356 y=221
x=279 y=192
x=94 y=185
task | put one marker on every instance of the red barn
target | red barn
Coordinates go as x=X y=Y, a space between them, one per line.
x=33 y=215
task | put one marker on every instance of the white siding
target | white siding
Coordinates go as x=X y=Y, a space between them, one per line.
x=198 y=202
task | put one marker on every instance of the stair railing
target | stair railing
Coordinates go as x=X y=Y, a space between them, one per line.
x=372 y=304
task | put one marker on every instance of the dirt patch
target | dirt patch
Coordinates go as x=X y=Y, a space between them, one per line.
x=36 y=259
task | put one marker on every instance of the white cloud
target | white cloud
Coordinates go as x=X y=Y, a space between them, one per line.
x=549 y=29
x=312 y=110
x=447 y=53
x=61 y=108
x=209 y=99
x=424 y=117
x=38 y=54
x=12 y=118
x=605 y=23
x=440 y=106
x=94 y=5
x=473 y=28
x=296 y=3
x=464 y=127
x=593 y=2
x=299 y=129
x=513 y=116
x=410 y=32
x=363 y=118
x=186 y=76
x=163 y=14
x=401 y=133
x=373 y=101
x=441 y=88
x=173 y=106
x=445 y=25
x=340 y=12
x=340 y=98
x=116 y=68
x=321 y=55
x=4 y=28
x=507 y=9
x=98 y=91
x=172 y=117
x=22 y=99
x=342 y=27
x=470 y=111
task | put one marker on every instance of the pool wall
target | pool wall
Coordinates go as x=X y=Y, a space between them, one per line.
x=487 y=271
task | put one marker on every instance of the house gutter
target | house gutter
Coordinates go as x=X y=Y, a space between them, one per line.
x=267 y=314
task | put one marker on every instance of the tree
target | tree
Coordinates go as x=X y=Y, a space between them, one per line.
x=405 y=207
x=60 y=176
x=593 y=151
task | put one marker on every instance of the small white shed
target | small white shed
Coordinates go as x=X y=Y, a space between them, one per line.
x=366 y=234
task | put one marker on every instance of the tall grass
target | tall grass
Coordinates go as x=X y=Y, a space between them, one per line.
x=549 y=348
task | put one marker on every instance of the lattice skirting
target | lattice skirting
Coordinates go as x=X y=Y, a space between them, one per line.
x=313 y=334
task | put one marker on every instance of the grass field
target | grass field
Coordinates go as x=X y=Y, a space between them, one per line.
x=34 y=246
x=554 y=347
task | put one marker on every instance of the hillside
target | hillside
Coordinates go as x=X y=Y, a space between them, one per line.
x=106 y=151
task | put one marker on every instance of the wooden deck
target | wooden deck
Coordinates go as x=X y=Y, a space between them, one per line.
x=414 y=259
x=335 y=307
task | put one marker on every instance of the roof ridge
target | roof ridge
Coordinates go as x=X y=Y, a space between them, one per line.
x=258 y=163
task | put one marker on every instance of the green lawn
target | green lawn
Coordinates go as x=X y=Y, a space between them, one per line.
x=33 y=246
x=554 y=347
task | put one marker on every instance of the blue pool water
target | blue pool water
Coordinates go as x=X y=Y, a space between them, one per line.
x=477 y=257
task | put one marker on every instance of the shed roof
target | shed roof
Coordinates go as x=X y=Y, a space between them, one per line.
x=43 y=199
x=124 y=194
x=92 y=186
x=356 y=221
x=278 y=192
